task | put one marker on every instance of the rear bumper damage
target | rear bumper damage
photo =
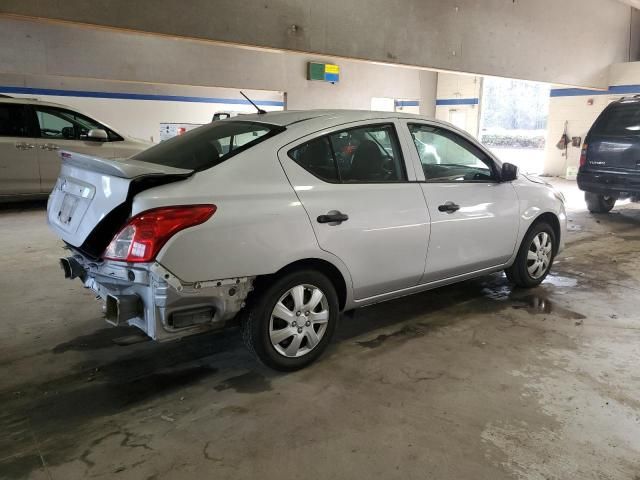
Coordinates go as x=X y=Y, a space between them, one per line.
x=151 y=298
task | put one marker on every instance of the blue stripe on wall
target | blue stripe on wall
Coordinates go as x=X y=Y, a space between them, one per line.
x=613 y=90
x=457 y=101
x=134 y=96
x=407 y=103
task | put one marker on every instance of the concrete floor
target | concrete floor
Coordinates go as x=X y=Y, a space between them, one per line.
x=475 y=381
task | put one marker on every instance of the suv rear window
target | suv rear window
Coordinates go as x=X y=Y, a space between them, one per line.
x=620 y=119
x=209 y=145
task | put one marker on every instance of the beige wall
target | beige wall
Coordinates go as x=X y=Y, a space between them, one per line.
x=452 y=86
x=580 y=115
x=64 y=56
x=567 y=42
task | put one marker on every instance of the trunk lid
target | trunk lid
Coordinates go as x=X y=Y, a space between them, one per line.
x=91 y=190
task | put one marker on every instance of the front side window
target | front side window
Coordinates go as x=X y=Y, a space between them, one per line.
x=368 y=154
x=14 y=120
x=61 y=124
x=209 y=145
x=447 y=157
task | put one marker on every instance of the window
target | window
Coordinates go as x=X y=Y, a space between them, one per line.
x=14 y=120
x=209 y=145
x=67 y=125
x=447 y=157
x=315 y=157
x=621 y=120
x=368 y=154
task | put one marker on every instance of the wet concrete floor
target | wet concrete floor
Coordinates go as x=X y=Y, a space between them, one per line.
x=474 y=381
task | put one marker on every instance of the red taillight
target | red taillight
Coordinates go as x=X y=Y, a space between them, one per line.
x=144 y=235
x=583 y=155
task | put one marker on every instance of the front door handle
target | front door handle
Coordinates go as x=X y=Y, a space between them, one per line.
x=449 y=207
x=333 y=216
x=49 y=146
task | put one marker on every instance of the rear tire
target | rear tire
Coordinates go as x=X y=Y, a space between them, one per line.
x=597 y=203
x=535 y=256
x=289 y=323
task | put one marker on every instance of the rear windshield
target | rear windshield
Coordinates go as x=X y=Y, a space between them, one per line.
x=208 y=145
x=620 y=119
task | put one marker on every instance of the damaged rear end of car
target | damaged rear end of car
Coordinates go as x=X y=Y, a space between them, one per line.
x=113 y=253
x=116 y=238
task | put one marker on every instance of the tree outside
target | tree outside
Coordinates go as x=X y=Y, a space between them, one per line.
x=514 y=120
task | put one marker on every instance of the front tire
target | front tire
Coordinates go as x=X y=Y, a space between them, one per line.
x=290 y=322
x=534 y=258
x=599 y=203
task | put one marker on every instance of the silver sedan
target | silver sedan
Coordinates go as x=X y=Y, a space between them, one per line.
x=283 y=220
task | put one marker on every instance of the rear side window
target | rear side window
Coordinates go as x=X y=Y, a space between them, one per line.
x=620 y=119
x=14 y=120
x=368 y=154
x=207 y=146
x=316 y=157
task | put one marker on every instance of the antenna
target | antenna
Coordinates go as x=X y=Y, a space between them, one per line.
x=260 y=111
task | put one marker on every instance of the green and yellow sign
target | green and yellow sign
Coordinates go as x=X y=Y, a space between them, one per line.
x=326 y=72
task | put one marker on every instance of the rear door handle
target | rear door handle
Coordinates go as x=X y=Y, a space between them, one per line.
x=49 y=146
x=333 y=217
x=449 y=207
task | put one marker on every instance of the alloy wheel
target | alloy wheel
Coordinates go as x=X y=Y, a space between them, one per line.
x=299 y=320
x=539 y=255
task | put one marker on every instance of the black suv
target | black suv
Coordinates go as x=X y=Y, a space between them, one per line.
x=610 y=158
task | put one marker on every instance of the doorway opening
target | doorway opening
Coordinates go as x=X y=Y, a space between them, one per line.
x=513 y=121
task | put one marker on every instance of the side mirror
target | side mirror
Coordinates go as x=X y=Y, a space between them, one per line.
x=509 y=172
x=98 y=135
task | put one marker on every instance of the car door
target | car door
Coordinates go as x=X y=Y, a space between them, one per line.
x=474 y=216
x=363 y=206
x=19 y=172
x=62 y=129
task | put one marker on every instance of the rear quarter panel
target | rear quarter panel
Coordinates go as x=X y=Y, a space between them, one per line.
x=259 y=226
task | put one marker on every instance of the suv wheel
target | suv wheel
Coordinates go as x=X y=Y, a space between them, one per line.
x=599 y=203
x=289 y=323
x=534 y=258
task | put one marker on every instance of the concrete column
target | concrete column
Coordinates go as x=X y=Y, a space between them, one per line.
x=428 y=87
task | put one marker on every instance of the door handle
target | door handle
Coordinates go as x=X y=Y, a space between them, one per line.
x=333 y=217
x=449 y=207
x=49 y=146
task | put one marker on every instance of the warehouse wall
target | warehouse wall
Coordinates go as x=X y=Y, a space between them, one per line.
x=568 y=42
x=458 y=100
x=71 y=57
x=141 y=107
x=580 y=108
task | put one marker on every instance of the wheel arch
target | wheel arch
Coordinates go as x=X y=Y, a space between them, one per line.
x=553 y=221
x=332 y=272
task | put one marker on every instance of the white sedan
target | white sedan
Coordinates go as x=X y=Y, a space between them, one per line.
x=283 y=220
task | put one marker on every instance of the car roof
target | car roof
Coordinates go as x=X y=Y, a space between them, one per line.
x=290 y=117
x=627 y=100
x=31 y=101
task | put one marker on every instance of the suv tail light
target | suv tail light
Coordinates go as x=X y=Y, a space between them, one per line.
x=583 y=155
x=145 y=234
